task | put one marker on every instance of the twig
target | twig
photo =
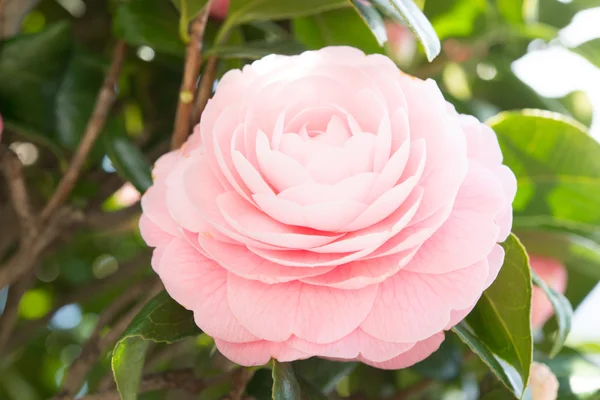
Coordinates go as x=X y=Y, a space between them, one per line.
x=28 y=253
x=12 y=169
x=206 y=87
x=241 y=377
x=183 y=379
x=193 y=61
x=94 y=127
x=96 y=345
x=9 y=317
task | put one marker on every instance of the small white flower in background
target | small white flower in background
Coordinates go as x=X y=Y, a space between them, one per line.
x=543 y=383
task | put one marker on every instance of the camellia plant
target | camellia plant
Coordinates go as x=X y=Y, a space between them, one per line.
x=283 y=199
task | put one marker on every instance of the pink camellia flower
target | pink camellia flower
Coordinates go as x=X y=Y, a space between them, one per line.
x=329 y=205
x=554 y=274
x=219 y=9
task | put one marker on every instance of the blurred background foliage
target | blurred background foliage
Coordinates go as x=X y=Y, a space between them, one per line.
x=52 y=64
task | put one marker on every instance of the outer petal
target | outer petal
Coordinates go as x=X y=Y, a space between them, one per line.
x=412 y=306
x=199 y=284
x=419 y=352
x=317 y=314
x=258 y=353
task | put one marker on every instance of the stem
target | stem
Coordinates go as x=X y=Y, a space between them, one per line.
x=193 y=60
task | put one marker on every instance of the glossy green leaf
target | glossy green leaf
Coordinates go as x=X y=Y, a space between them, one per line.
x=485 y=354
x=335 y=28
x=501 y=318
x=129 y=161
x=242 y=11
x=287 y=386
x=152 y=23
x=456 y=18
x=563 y=312
x=590 y=50
x=76 y=97
x=31 y=72
x=407 y=11
x=557 y=165
x=256 y=50
x=161 y=320
x=323 y=374
x=372 y=18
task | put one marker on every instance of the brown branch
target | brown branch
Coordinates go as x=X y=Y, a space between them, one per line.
x=206 y=87
x=183 y=379
x=241 y=377
x=104 y=102
x=193 y=60
x=11 y=15
x=27 y=255
x=97 y=345
x=12 y=169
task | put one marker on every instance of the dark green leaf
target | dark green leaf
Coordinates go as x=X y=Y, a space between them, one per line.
x=501 y=318
x=563 y=312
x=76 y=97
x=129 y=161
x=557 y=165
x=335 y=28
x=31 y=72
x=444 y=364
x=256 y=50
x=485 y=354
x=286 y=386
x=373 y=20
x=590 y=50
x=407 y=11
x=323 y=374
x=161 y=320
x=241 y=11
x=149 y=22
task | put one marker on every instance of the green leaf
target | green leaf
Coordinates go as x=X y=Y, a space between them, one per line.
x=557 y=165
x=129 y=161
x=152 y=23
x=501 y=318
x=286 y=386
x=341 y=27
x=256 y=50
x=161 y=320
x=563 y=312
x=31 y=71
x=373 y=20
x=485 y=354
x=242 y=11
x=323 y=374
x=76 y=97
x=456 y=18
x=444 y=364
x=590 y=50
x=406 y=10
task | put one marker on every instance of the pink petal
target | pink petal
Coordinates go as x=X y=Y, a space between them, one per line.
x=154 y=206
x=258 y=353
x=152 y=234
x=317 y=314
x=419 y=352
x=413 y=306
x=253 y=180
x=242 y=262
x=199 y=284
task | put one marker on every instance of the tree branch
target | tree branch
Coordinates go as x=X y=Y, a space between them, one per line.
x=12 y=169
x=94 y=127
x=206 y=87
x=11 y=15
x=10 y=315
x=193 y=60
